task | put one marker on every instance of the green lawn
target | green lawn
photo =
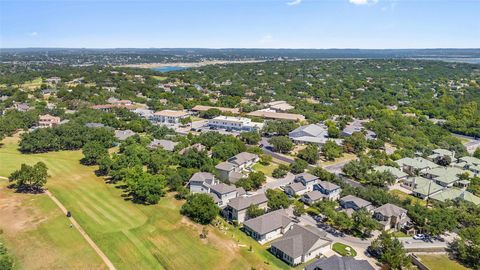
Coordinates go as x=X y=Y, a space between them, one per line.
x=267 y=170
x=344 y=250
x=402 y=195
x=132 y=236
x=440 y=262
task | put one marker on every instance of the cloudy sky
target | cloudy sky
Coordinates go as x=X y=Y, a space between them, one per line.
x=240 y=23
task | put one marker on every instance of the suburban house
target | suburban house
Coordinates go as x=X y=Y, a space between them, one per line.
x=168 y=116
x=415 y=166
x=223 y=193
x=269 y=226
x=295 y=189
x=313 y=133
x=329 y=190
x=441 y=153
x=53 y=80
x=422 y=187
x=21 y=107
x=48 y=121
x=312 y=197
x=122 y=135
x=301 y=244
x=456 y=194
x=201 y=182
x=391 y=216
x=164 y=144
x=145 y=113
x=357 y=126
x=271 y=114
x=280 y=106
x=198 y=146
x=115 y=101
x=234 y=123
x=339 y=263
x=203 y=108
x=94 y=125
x=399 y=175
x=355 y=203
x=307 y=179
x=446 y=176
x=232 y=169
x=470 y=163
x=237 y=207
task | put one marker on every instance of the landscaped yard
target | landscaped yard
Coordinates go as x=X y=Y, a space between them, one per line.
x=344 y=250
x=265 y=169
x=440 y=262
x=402 y=195
x=131 y=235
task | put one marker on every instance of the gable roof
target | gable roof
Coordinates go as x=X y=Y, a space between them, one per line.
x=225 y=166
x=296 y=186
x=357 y=201
x=423 y=185
x=314 y=195
x=454 y=193
x=242 y=158
x=389 y=210
x=312 y=130
x=307 y=177
x=241 y=203
x=222 y=188
x=339 y=263
x=165 y=144
x=299 y=240
x=328 y=185
x=417 y=163
x=205 y=177
x=269 y=222
x=123 y=134
x=394 y=171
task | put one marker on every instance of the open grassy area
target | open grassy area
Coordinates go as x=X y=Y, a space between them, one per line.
x=402 y=195
x=160 y=78
x=132 y=236
x=265 y=169
x=344 y=250
x=33 y=84
x=440 y=262
x=344 y=158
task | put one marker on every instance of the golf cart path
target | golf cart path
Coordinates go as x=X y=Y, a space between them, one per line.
x=100 y=253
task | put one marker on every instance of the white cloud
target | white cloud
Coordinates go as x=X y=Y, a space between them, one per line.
x=294 y=2
x=363 y=2
x=267 y=39
x=33 y=34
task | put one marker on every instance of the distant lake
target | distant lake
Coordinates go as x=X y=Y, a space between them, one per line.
x=169 y=68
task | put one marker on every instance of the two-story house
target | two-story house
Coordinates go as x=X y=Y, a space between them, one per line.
x=236 y=209
x=391 y=216
x=201 y=182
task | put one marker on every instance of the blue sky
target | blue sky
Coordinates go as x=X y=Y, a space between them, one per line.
x=240 y=23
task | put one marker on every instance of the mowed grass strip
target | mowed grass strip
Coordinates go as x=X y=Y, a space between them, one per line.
x=135 y=236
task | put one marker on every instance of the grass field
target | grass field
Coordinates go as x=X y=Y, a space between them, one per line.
x=402 y=195
x=132 y=236
x=344 y=250
x=33 y=84
x=441 y=262
x=267 y=170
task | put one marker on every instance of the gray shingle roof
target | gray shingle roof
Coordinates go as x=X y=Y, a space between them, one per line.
x=241 y=203
x=269 y=222
x=225 y=166
x=296 y=187
x=328 y=185
x=205 y=177
x=223 y=188
x=314 y=195
x=299 y=240
x=307 y=177
x=339 y=263
x=165 y=144
x=358 y=201
x=242 y=158
x=123 y=134
x=389 y=210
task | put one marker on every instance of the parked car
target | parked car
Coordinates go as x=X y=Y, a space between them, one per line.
x=419 y=236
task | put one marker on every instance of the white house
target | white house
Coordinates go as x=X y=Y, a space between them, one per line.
x=236 y=209
x=269 y=226
x=201 y=182
x=234 y=123
x=168 y=116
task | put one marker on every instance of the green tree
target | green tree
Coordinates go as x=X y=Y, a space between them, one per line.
x=331 y=150
x=281 y=144
x=390 y=251
x=210 y=113
x=30 y=178
x=477 y=153
x=6 y=262
x=355 y=143
x=277 y=199
x=280 y=171
x=298 y=208
x=254 y=211
x=466 y=248
x=309 y=154
x=200 y=208
x=93 y=152
x=298 y=166
x=363 y=222
x=250 y=137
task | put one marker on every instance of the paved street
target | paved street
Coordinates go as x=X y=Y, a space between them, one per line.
x=273 y=183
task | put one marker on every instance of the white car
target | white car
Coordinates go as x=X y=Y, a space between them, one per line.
x=419 y=236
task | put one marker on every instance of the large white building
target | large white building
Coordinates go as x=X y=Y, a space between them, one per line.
x=169 y=116
x=234 y=123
